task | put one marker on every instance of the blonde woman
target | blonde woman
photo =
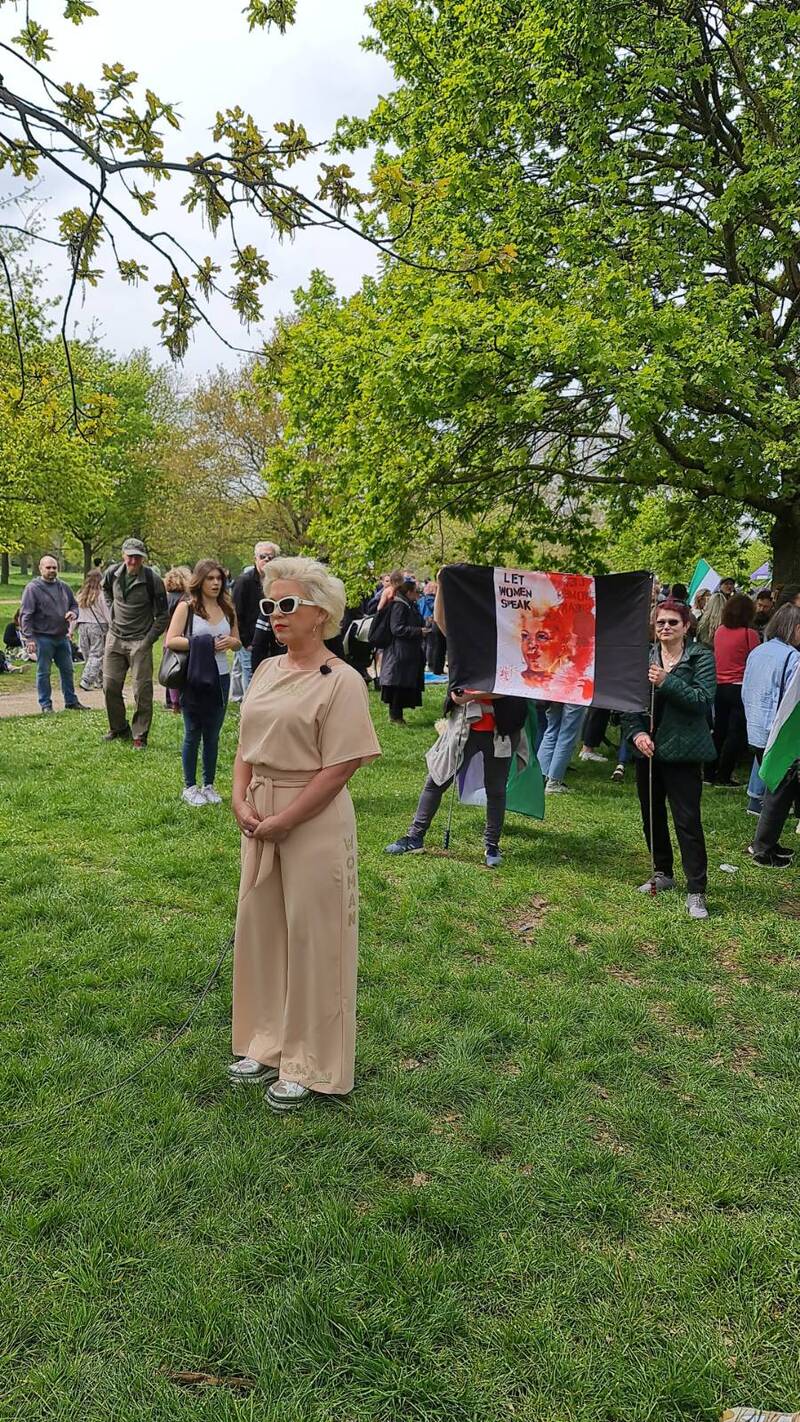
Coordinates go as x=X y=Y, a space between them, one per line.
x=711 y=619
x=176 y=583
x=305 y=730
x=93 y=620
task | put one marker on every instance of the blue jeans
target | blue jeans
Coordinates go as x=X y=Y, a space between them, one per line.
x=564 y=726
x=245 y=656
x=756 y=789
x=541 y=725
x=204 y=725
x=58 y=650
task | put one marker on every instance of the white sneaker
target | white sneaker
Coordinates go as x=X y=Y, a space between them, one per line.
x=696 y=904
x=247 y=1069
x=286 y=1095
x=556 y=787
x=194 y=796
x=587 y=754
x=210 y=795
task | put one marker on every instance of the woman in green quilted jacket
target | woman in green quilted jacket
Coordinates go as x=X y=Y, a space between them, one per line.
x=684 y=677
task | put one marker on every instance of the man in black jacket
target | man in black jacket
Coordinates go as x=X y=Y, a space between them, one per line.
x=247 y=594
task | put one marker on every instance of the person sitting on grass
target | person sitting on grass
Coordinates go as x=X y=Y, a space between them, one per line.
x=13 y=640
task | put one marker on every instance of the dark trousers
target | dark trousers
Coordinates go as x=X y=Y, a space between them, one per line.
x=680 y=785
x=595 y=727
x=435 y=650
x=774 y=813
x=204 y=724
x=397 y=700
x=495 y=775
x=730 y=732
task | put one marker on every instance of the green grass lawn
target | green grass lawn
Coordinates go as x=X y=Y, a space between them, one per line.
x=564 y=1190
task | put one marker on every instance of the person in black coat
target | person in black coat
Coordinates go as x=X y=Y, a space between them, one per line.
x=247 y=594
x=403 y=664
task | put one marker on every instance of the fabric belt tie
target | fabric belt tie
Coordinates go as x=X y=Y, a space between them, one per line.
x=258 y=855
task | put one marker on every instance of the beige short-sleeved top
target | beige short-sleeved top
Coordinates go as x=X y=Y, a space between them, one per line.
x=303 y=721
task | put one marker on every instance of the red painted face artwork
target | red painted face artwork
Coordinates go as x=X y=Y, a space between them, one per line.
x=545 y=635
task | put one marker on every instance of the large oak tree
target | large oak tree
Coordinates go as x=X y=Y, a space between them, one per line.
x=628 y=175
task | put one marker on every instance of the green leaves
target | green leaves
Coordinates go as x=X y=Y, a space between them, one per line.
x=82 y=233
x=78 y=10
x=252 y=272
x=612 y=195
x=263 y=13
x=178 y=316
x=34 y=41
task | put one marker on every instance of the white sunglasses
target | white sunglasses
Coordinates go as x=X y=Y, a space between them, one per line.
x=285 y=605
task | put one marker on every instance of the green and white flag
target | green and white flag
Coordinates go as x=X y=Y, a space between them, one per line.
x=703 y=578
x=783 y=746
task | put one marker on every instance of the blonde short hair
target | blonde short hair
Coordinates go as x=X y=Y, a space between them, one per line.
x=319 y=586
x=177 y=579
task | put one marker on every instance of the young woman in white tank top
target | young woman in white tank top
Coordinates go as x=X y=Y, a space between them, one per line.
x=212 y=615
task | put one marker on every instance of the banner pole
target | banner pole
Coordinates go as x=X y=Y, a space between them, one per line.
x=653 y=889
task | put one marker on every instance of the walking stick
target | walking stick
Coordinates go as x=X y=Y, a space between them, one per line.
x=653 y=889
x=453 y=786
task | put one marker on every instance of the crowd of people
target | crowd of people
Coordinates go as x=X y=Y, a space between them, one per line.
x=302 y=665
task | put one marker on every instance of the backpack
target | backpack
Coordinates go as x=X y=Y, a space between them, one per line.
x=356 y=643
x=379 y=632
x=108 y=585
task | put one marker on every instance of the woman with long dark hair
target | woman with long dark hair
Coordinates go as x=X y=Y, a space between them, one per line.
x=205 y=627
x=734 y=640
x=673 y=750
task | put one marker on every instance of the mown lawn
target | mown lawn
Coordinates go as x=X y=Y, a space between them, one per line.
x=564 y=1190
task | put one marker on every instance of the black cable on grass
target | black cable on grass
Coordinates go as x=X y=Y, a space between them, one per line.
x=137 y=1071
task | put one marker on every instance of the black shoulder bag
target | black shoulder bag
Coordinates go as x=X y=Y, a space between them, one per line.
x=175 y=665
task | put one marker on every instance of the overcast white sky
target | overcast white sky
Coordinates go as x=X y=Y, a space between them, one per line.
x=200 y=55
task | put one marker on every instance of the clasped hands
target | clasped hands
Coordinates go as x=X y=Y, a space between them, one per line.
x=271 y=828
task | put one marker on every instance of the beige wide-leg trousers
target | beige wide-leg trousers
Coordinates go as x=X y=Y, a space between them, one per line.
x=296 y=946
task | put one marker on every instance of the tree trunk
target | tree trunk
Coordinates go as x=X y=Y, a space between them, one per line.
x=785 y=540
x=5 y=568
x=87 y=556
x=23 y=564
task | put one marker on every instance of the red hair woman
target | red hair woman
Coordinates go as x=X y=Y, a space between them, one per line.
x=673 y=750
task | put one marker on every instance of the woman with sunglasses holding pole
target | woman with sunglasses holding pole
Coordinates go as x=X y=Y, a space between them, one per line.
x=672 y=748
x=305 y=730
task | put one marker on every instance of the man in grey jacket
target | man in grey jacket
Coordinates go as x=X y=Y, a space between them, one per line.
x=47 y=616
x=138 y=603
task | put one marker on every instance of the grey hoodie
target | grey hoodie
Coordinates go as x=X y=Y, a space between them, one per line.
x=44 y=608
